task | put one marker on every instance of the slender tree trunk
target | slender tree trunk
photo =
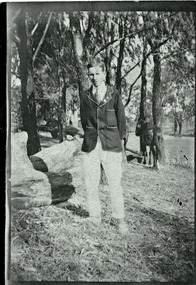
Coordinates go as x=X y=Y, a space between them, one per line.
x=77 y=47
x=156 y=101
x=180 y=128
x=60 y=120
x=78 y=65
x=119 y=66
x=63 y=103
x=179 y=120
x=64 y=99
x=175 y=123
x=144 y=83
x=120 y=58
x=59 y=108
x=75 y=112
x=60 y=129
x=108 y=55
x=28 y=97
x=143 y=93
x=107 y=62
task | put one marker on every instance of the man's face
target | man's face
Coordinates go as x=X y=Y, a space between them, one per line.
x=96 y=75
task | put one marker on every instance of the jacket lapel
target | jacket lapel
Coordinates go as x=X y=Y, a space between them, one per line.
x=90 y=95
x=106 y=98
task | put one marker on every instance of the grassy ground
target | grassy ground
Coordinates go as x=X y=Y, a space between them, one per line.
x=57 y=243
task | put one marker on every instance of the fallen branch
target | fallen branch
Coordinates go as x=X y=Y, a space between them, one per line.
x=135 y=152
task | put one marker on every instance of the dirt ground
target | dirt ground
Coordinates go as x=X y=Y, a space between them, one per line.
x=57 y=243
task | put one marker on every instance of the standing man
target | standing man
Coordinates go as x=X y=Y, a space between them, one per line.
x=103 y=121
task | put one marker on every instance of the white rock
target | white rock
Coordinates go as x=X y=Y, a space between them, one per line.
x=28 y=186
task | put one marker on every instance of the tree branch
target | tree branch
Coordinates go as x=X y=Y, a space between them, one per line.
x=42 y=38
x=15 y=39
x=176 y=53
x=127 y=36
x=147 y=55
x=131 y=87
x=17 y=13
x=15 y=74
x=130 y=70
x=90 y=24
x=36 y=25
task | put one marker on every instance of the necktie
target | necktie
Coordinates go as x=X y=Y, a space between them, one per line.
x=97 y=96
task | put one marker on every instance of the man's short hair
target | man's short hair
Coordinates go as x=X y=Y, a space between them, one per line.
x=96 y=63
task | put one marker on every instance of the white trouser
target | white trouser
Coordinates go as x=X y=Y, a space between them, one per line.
x=112 y=164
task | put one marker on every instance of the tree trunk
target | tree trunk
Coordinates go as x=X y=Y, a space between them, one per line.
x=28 y=97
x=80 y=68
x=64 y=99
x=179 y=120
x=60 y=119
x=120 y=58
x=143 y=92
x=107 y=62
x=180 y=128
x=175 y=124
x=60 y=128
x=108 y=37
x=156 y=100
x=57 y=158
x=63 y=103
x=78 y=50
x=74 y=108
x=143 y=86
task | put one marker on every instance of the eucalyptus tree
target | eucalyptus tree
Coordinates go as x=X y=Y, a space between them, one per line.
x=178 y=88
x=178 y=63
x=23 y=24
x=171 y=39
x=82 y=39
x=57 y=58
x=101 y=34
x=92 y=36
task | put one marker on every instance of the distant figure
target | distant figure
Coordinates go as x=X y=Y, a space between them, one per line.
x=150 y=137
x=125 y=139
x=104 y=125
x=126 y=136
x=70 y=122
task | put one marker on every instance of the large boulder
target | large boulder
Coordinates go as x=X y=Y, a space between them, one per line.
x=29 y=187
x=61 y=186
x=56 y=162
x=57 y=158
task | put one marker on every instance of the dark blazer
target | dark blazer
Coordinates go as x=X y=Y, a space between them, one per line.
x=105 y=119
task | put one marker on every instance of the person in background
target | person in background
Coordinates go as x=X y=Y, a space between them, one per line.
x=104 y=124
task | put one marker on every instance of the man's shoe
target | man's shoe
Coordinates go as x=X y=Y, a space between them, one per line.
x=120 y=225
x=123 y=229
x=95 y=220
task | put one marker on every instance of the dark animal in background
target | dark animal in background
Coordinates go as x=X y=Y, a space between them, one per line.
x=150 y=136
x=126 y=137
x=125 y=140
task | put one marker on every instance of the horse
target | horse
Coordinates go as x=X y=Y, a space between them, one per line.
x=150 y=136
x=125 y=141
x=126 y=136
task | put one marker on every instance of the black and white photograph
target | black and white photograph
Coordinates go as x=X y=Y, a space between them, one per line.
x=100 y=142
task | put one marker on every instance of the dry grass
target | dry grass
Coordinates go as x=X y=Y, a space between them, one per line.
x=58 y=243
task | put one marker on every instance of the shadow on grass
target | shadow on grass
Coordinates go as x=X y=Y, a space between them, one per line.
x=170 y=252
x=78 y=210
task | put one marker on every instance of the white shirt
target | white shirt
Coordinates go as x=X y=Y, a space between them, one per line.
x=100 y=90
